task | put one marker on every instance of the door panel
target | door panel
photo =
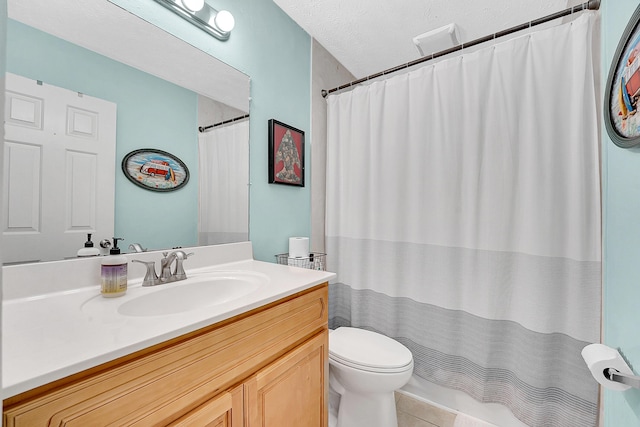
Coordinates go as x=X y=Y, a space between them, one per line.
x=22 y=166
x=291 y=391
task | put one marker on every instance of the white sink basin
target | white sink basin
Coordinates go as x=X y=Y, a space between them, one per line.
x=204 y=290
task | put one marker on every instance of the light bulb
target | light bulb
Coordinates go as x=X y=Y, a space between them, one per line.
x=193 y=5
x=224 y=21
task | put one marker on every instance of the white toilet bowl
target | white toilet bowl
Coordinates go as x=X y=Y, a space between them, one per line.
x=365 y=368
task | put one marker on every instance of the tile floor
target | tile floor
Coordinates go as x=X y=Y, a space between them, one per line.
x=415 y=413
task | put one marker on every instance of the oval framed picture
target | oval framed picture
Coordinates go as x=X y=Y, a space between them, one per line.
x=622 y=118
x=155 y=170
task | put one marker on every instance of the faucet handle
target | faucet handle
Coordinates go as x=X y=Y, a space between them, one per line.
x=180 y=257
x=150 y=278
x=183 y=254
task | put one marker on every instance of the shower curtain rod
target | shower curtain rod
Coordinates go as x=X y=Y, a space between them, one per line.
x=589 y=5
x=205 y=128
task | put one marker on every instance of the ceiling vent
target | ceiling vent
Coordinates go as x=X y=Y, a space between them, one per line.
x=436 y=40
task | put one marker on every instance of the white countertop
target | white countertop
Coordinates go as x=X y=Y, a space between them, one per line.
x=50 y=336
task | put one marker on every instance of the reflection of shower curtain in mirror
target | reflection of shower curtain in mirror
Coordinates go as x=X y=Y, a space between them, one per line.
x=224 y=179
x=463 y=219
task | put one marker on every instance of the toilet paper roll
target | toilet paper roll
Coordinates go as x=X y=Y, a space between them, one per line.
x=599 y=357
x=298 y=247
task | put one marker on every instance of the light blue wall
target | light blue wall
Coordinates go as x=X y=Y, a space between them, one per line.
x=276 y=53
x=152 y=113
x=621 y=203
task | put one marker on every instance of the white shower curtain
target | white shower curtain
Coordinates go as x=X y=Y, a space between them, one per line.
x=223 y=186
x=463 y=219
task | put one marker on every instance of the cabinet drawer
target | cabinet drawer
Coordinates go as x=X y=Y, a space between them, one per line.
x=160 y=385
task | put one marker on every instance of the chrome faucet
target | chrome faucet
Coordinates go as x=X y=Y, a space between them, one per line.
x=137 y=247
x=166 y=274
x=165 y=266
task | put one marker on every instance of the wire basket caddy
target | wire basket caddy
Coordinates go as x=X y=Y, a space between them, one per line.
x=315 y=261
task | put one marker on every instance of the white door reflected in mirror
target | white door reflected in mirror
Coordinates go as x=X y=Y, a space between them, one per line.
x=56 y=163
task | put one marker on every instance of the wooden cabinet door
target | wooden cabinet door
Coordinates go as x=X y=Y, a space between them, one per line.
x=292 y=390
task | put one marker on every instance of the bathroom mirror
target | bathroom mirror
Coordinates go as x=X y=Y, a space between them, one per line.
x=203 y=91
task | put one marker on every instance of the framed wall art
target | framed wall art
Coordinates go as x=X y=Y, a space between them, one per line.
x=155 y=170
x=622 y=118
x=286 y=154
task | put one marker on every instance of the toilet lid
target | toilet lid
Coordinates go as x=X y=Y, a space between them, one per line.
x=366 y=349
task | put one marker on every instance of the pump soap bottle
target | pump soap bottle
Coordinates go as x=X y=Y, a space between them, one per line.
x=89 y=249
x=113 y=272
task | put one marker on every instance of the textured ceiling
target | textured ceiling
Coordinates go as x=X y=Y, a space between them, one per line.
x=107 y=29
x=368 y=36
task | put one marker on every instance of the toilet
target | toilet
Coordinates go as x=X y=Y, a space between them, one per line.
x=365 y=368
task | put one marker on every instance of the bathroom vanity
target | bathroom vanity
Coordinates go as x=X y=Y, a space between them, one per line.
x=258 y=359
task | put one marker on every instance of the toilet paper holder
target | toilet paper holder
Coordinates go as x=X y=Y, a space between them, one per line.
x=619 y=377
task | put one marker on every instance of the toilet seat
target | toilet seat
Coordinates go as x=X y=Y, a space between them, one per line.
x=368 y=351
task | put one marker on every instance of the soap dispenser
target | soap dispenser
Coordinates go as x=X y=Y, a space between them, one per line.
x=113 y=272
x=88 y=249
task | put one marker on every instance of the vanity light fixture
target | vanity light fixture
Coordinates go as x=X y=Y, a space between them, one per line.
x=217 y=23
x=193 y=5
